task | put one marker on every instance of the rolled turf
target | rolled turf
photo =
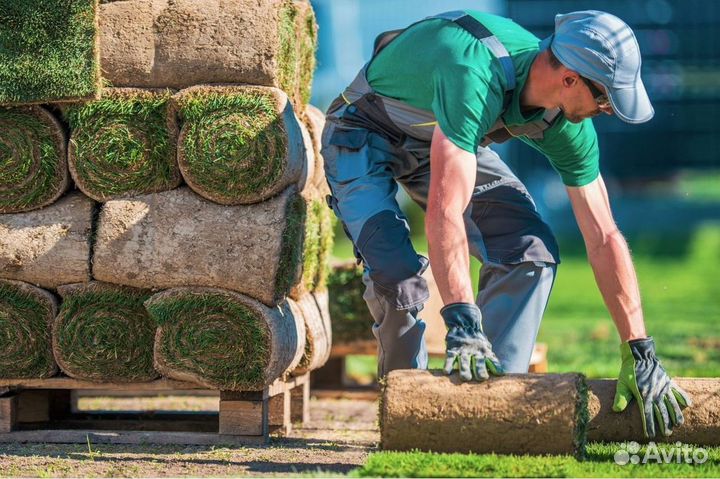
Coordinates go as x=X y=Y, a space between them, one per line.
x=270 y=43
x=26 y=316
x=48 y=51
x=223 y=340
x=50 y=246
x=238 y=144
x=103 y=333
x=318 y=340
x=123 y=144
x=702 y=418
x=33 y=159
x=176 y=238
x=512 y=414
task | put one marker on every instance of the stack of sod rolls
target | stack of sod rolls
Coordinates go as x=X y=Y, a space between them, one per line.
x=171 y=222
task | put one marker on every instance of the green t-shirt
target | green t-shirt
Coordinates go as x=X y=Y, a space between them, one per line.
x=438 y=66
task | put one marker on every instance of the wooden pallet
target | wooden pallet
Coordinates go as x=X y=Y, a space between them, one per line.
x=40 y=410
x=332 y=377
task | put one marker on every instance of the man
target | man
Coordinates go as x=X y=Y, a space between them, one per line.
x=421 y=113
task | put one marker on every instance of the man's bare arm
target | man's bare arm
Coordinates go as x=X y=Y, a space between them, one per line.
x=609 y=257
x=452 y=180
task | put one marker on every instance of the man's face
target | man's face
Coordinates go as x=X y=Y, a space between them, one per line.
x=580 y=100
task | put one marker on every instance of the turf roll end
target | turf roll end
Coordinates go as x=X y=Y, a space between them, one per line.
x=123 y=144
x=26 y=316
x=222 y=340
x=238 y=144
x=104 y=334
x=33 y=159
x=318 y=340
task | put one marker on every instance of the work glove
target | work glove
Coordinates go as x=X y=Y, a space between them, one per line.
x=643 y=378
x=466 y=343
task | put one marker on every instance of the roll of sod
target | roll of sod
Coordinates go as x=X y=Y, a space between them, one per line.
x=26 y=316
x=307 y=175
x=318 y=339
x=702 y=418
x=270 y=43
x=49 y=51
x=103 y=333
x=222 y=340
x=33 y=159
x=123 y=144
x=513 y=414
x=238 y=144
x=315 y=121
x=176 y=238
x=50 y=246
x=351 y=319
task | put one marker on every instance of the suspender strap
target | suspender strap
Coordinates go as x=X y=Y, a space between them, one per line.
x=485 y=36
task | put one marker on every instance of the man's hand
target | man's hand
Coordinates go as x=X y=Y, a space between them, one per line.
x=643 y=378
x=467 y=343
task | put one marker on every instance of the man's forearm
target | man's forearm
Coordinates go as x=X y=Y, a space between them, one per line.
x=617 y=281
x=448 y=249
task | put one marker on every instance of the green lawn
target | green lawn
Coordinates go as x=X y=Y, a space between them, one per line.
x=598 y=463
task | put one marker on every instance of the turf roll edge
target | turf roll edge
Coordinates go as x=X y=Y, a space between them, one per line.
x=103 y=333
x=221 y=339
x=33 y=159
x=123 y=144
x=238 y=144
x=26 y=316
x=313 y=309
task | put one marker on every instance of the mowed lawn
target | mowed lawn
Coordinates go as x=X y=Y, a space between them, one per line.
x=681 y=301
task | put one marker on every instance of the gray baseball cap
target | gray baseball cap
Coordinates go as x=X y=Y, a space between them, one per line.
x=601 y=47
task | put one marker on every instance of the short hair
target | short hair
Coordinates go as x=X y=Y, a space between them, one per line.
x=553 y=60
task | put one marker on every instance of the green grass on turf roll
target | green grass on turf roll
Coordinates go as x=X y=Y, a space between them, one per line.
x=26 y=315
x=103 y=333
x=222 y=339
x=33 y=159
x=123 y=144
x=48 y=51
x=238 y=145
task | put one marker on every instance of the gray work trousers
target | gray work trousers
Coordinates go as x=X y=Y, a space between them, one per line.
x=518 y=251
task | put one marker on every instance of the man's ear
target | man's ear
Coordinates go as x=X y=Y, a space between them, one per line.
x=569 y=79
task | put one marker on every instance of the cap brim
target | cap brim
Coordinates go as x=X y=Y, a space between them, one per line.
x=631 y=105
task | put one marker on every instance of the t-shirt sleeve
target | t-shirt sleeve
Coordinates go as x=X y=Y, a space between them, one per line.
x=466 y=103
x=572 y=149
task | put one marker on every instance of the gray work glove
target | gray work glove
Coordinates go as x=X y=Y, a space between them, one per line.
x=466 y=342
x=643 y=378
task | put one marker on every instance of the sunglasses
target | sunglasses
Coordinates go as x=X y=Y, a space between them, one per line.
x=600 y=97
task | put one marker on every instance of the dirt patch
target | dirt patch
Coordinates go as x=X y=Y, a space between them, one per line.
x=336 y=440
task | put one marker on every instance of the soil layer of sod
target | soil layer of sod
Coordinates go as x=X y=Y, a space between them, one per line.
x=123 y=144
x=103 y=333
x=33 y=159
x=26 y=315
x=48 y=51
